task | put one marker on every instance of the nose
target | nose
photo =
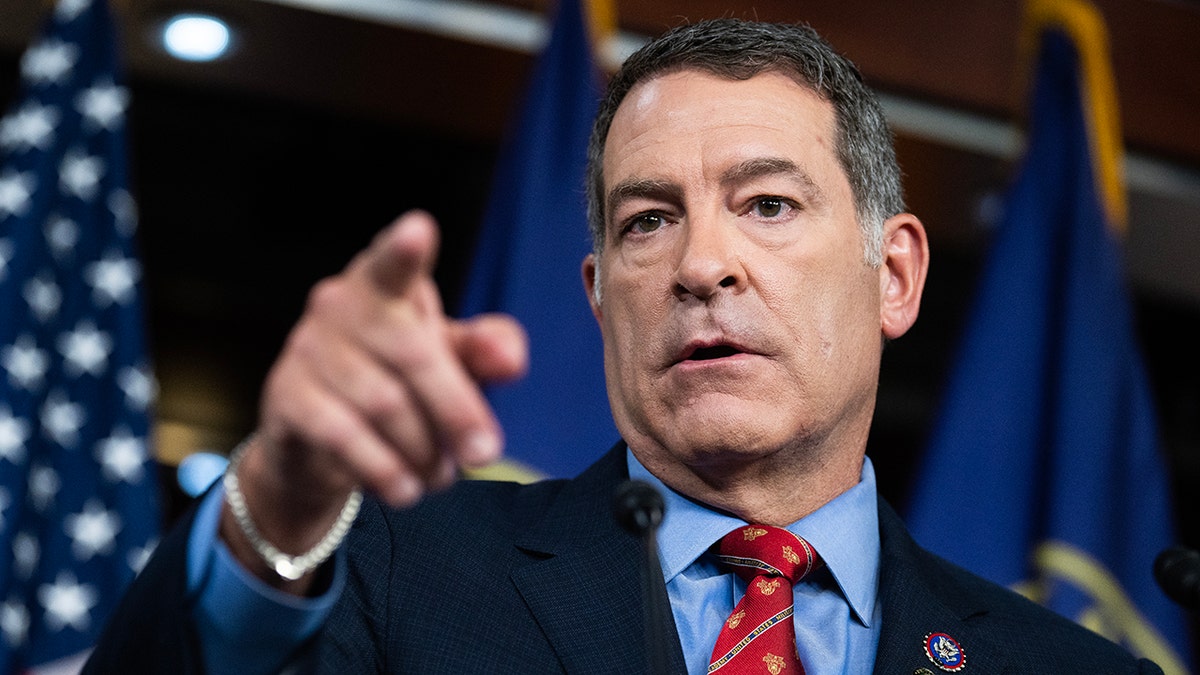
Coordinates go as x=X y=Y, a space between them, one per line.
x=708 y=261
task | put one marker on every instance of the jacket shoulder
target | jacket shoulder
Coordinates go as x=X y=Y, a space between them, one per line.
x=999 y=629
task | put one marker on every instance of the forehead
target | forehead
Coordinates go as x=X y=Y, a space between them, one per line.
x=668 y=122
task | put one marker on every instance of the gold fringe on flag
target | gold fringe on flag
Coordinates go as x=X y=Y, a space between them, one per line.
x=1084 y=25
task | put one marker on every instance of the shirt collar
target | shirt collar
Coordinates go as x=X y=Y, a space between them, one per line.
x=844 y=531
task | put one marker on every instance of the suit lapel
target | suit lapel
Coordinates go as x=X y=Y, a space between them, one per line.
x=584 y=584
x=921 y=597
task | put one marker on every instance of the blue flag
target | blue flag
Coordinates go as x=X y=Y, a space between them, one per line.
x=533 y=238
x=79 y=503
x=1044 y=470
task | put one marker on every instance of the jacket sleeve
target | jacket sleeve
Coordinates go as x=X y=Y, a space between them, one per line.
x=152 y=630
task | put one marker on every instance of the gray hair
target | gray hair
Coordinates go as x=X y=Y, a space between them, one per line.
x=739 y=50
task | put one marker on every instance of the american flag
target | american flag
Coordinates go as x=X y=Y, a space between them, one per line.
x=79 y=500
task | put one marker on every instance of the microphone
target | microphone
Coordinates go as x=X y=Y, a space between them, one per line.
x=1177 y=571
x=639 y=508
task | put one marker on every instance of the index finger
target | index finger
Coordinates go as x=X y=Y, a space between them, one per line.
x=404 y=251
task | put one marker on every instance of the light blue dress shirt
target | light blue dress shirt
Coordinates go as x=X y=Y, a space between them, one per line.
x=836 y=617
x=244 y=625
x=837 y=611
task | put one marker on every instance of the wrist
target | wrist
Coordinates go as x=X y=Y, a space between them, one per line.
x=282 y=551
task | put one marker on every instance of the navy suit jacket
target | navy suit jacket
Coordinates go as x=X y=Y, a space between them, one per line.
x=502 y=578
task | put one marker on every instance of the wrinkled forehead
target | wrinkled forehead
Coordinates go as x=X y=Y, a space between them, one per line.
x=679 y=105
x=732 y=74
x=633 y=95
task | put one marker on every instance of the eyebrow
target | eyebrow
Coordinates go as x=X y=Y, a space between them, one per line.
x=760 y=167
x=639 y=188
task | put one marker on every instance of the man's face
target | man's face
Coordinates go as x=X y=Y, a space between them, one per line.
x=738 y=314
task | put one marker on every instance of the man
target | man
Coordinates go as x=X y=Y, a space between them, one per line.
x=751 y=257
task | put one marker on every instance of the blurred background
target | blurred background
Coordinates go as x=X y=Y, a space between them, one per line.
x=263 y=171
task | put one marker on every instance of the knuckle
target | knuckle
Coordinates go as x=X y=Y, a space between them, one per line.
x=383 y=400
x=286 y=396
x=337 y=436
x=327 y=296
x=413 y=357
x=303 y=341
x=332 y=431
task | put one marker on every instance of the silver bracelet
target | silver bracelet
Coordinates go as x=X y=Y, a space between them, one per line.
x=287 y=566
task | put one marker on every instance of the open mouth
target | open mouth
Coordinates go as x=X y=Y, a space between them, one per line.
x=713 y=352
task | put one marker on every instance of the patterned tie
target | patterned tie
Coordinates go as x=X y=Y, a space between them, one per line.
x=758 y=637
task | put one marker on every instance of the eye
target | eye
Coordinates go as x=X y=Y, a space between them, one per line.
x=770 y=207
x=645 y=223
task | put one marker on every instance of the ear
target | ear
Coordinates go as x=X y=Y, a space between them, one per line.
x=588 y=271
x=902 y=274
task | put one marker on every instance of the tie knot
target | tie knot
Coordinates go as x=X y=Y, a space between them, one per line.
x=757 y=550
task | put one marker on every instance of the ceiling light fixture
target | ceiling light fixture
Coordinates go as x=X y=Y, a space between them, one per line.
x=196 y=37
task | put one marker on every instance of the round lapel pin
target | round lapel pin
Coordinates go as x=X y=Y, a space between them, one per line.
x=945 y=652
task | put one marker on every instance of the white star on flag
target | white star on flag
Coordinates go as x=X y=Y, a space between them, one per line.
x=15 y=191
x=124 y=210
x=93 y=530
x=49 y=61
x=139 y=556
x=5 y=502
x=121 y=456
x=67 y=603
x=26 y=553
x=76 y=466
x=14 y=621
x=138 y=385
x=14 y=431
x=6 y=254
x=25 y=363
x=62 y=419
x=69 y=10
x=80 y=174
x=30 y=127
x=112 y=278
x=43 y=486
x=102 y=105
x=85 y=349
x=43 y=297
x=62 y=233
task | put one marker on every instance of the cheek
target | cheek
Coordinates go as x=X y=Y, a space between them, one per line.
x=828 y=314
x=627 y=335
x=629 y=340
x=855 y=329
x=635 y=298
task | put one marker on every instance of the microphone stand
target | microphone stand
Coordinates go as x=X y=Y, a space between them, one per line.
x=638 y=507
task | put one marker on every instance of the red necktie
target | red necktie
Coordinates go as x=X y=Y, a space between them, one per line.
x=758 y=636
